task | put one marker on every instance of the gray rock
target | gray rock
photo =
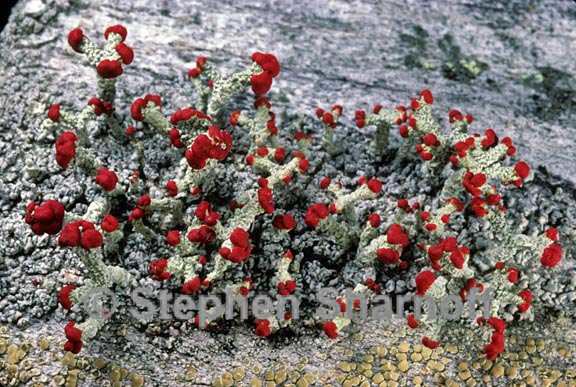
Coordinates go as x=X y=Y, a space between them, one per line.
x=504 y=62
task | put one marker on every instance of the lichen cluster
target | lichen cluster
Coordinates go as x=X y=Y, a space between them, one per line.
x=218 y=242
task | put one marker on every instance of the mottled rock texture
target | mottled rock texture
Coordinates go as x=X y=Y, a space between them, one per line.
x=509 y=63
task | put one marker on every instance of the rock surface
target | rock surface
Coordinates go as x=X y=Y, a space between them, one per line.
x=508 y=63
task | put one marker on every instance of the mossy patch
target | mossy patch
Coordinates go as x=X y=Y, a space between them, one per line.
x=416 y=41
x=454 y=64
x=556 y=92
x=457 y=66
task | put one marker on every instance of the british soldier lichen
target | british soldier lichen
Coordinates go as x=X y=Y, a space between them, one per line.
x=212 y=243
